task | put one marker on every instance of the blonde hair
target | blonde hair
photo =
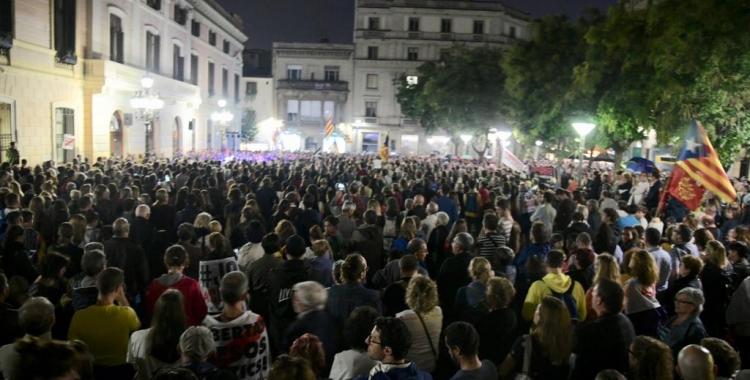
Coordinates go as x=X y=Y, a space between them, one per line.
x=555 y=330
x=716 y=254
x=214 y=226
x=606 y=266
x=422 y=295
x=643 y=267
x=285 y=229
x=202 y=220
x=320 y=247
x=408 y=229
x=480 y=269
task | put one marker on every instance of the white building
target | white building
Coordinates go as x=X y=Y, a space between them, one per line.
x=394 y=37
x=71 y=67
x=312 y=83
x=260 y=99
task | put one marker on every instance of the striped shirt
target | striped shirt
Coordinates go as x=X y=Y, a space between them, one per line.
x=489 y=244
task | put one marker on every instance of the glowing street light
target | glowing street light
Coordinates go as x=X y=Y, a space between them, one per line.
x=536 y=149
x=583 y=129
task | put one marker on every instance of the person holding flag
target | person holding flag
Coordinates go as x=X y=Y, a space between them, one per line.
x=697 y=168
x=384 y=149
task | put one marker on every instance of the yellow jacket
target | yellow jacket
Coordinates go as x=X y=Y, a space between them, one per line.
x=543 y=288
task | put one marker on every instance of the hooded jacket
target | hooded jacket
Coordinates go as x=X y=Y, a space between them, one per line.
x=368 y=241
x=544 y=287
x=195 y=306
x=395 y=372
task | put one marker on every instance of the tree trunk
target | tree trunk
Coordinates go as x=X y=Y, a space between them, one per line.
x=618 y=160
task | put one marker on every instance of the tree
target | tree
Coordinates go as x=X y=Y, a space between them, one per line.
x=249 y=125
x=463 y=92
x=540 y=78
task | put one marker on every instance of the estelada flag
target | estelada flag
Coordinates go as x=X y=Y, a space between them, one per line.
x=384 y=149
x=699 y=164
x=329 y=127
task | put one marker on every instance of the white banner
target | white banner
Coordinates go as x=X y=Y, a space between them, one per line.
x=69 y=142
x=210 y=274
x=510 y=160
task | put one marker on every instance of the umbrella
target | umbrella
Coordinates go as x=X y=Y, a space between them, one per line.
x=640 y=165
x=604 y=157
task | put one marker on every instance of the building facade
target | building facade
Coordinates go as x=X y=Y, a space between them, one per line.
x=71 y=67
x=393 y=38
x=312 y=84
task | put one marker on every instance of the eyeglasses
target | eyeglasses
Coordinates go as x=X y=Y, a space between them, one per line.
x=682 y=301
x=369 y=340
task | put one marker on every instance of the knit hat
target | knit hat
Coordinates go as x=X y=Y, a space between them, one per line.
x=197 y=341
x=295 y=246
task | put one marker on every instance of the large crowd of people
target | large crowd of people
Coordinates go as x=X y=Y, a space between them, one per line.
x=265 y=266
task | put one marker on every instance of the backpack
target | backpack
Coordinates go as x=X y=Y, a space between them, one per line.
x=472 y=205
x=389 y=230
x=569 y=301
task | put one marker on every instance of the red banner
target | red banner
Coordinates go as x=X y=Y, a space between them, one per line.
x=685 y=189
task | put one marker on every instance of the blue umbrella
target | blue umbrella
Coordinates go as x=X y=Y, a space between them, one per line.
x=640 y=165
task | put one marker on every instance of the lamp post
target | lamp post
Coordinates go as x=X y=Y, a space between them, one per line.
x=223 y=118
x=147 y=105
x=536 y=149
x=583 y=129
x=504 y=143
x=466 y=139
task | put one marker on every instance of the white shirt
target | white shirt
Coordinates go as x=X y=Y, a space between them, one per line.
x=246 y=334
x=138 y=355
x=249 y=253
x=350 y=364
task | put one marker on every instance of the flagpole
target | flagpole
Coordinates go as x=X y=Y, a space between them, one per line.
x=664 y=194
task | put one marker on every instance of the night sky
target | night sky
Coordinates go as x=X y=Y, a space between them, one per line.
x=267 y=21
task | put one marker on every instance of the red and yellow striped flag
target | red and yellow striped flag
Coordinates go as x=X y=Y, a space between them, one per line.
x=329 y=127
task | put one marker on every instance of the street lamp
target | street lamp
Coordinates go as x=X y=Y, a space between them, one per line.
x=223 y=118
x=466 y=139
x=504 y=143
x=536 y=149
x=583 y=129
x=147 y=105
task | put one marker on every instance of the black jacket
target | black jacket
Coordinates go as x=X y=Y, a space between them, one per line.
x=453 y=275
x=368 y=241
x=565 y=210
x=320 y=324
x=602 y=344
x=141 y=231
x=666 y=298
x=15 y=262
x=128 y=256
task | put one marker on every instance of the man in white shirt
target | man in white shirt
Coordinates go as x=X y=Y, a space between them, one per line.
x=662 y=258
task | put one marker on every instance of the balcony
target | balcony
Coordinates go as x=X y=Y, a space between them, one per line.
x=435 y=36
x=313 y=85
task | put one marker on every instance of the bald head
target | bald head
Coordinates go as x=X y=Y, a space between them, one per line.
x=432 y=208
x=143 y=211
x=121 y=228
x=696 y=363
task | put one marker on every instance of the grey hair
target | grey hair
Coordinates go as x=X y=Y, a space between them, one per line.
x=695 y=296
x=311 y=294
x=432 y=208
x=36 y=316
x=348 y=206
x=442 y=219
x=142 y=211
x=583 y=210
x=93 y=262
x=465 y=241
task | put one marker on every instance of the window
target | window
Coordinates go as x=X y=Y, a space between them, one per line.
x=180 y=15
x=236 y=88
x=115 y=39
x=413 y=24
x=212 y=37
x=211 y=88
x=152 y=52
x=209 y=130
x=444 y=53
x=65 y=31
x=224 y=82
x=372 y=81
x=373 y=23
x=6 y=23
x=292 y=110
x=64 y=125
x=478 y=27
x=195 y=28
x=412 y=54
x=309 y=110
x=512 y=32
x=446 y=26
x=371 y=109
x=293 y=72
x=194 y=69
x=178 y=64
x=331 y=74
x=251 y=88
x=372 y=52
x=370 y=142
x=226 y=47
x=155 y=4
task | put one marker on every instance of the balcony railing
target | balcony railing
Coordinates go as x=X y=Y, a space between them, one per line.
x=436 y=36
x=313 y=85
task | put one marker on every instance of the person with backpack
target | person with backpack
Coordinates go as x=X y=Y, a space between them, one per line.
x=558 y=285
